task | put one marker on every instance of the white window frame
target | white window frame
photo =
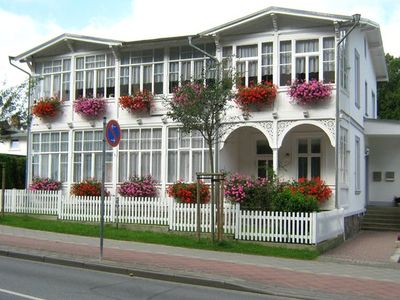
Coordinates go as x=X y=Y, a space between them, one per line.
x=309 y=155
x=344 y=156
x=357 y=165
x=246 y=61
x=357 y=79
x=307 y=56
x=366 y=98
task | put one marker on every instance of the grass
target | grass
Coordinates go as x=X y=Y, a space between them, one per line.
x=170 y=239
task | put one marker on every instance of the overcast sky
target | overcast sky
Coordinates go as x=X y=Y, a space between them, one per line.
x=25 y=24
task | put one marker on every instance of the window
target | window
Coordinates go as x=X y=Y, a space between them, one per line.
x=227 y=61
x=343 y=152
x=54 y=79
x=140 y=153
x=357 y=165
x=263 y=147
x=95 y=76
x=187 y=154
x=187 y=64
x=88 y=156
x=329 y=59
x=247 y=65
x=285 y=63
x=309 y=157
x=307 y=60
x=373 y=100
x=356 y=78
x=344 y=63
x=142 y=70
x=50 y=155
x=267 y=62
x=366 y=98
x=14 y=144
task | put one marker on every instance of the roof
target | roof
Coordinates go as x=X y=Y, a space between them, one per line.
x=382 y=127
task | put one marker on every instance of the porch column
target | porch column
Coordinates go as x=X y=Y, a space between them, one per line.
x=275 y=160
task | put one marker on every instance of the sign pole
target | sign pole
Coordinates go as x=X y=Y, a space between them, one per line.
x=103 y=173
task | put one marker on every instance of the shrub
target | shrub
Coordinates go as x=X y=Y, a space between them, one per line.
x=314 y=187
x=90 y=107
x=144 y=186
x=293 y=201
x=141 y=101
x=46 y=107
x=256 y=96
x=44 y=184
x=15 y=170
x=187 y=192
x=303 y=92
x=88 y=187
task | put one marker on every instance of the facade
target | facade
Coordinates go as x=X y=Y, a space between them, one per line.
x=275 y=44
x=13 y=142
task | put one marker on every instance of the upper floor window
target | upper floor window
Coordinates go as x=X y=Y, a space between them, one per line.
x=285 y=63
x=328 y=59
x=344 y=64
x=227 y=61
x=53 y=79
x=142 y=70
x=357 y=78
x=187 y=64
x=267 y=62
x=95 y=76
x=247 y=64
x=307 y=59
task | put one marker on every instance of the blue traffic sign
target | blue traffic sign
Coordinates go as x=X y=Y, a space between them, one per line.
x=113 y=133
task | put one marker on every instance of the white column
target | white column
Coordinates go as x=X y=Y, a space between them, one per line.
x=275 y=160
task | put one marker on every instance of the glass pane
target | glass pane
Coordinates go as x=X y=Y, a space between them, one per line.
x=44 y=166
x=313 y=68
x=173 y=138
x=302 y=146
x=123 y=167
x=247 y=51
x=196 y=164
x=123 y=144
x=133 y=164
x=156 y=139
x=64 y=167
x=300 y=68
x=184 y=140
x=184 y=165
x=87 y=166
x=302 y=172
x=307 y=46
x=172 y=166
x=197 y=140
x=315 y=146
x=156 y=165
x=145 y=139
x=134 y=138
x=77 y=167
x=315 y=167
x=263 y=147
x=54 y=166
x=55 y=144
x=145 y=164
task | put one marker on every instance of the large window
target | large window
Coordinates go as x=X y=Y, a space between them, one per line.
x=309 y=157
x=187 y=154
x=247 y=65
x=50 y=155
x=142 y=70
x=53 y=79
x=357 y=78
x=187 y=64
x=140 y=153
x=95 y=76
x=329 y=59
x=344 y=147
x=307 y=59
x=285 y=63
x=88 y=156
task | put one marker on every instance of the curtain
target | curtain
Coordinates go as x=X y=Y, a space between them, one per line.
x=158 y=72
x=44 y=147
x=136 y=75
x=44 y=165
x=100 y=83
x=35 y=166
x=145 y=139
x=54 y=166
x=198 y=69
x=80 y=63
x=285 y=46
x=133 y=164
x=47 y=86
x=54 y=142
x=172 y=166
x=307 y=46
x=65 y=86
x=145 y=164
x=66 y=65
x=147 y=74
x=184 y=165
x=64 y=167
x=87 y=165
x=313 y=64
x=134 y=139
x=156 y=139
x=77 y=167
x=247 y=51
x=196 y=163
x=185 y=71
x=123 y=167
x=56 y=85
x=156 y=165
x=253 y=68
x=173 y=138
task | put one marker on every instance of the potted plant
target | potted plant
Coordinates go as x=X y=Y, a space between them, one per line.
x=47 y=107
x=44 y=184
x=309 y=92
x=139 y=186
x=140 y=101
x=187 y=192
x=90 y=108
x=255 y=97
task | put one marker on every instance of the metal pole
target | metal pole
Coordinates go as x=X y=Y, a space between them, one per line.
x=212 y=210
x=3 y=186
x=103 y=173
x=198 y=228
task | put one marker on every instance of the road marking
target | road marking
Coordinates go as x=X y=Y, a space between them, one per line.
x=20 y=295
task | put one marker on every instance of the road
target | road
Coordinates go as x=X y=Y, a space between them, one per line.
x=23 y=279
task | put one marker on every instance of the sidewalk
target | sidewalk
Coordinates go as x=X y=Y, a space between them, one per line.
x=287 y=277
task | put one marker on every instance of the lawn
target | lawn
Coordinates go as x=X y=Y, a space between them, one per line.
x=170 y=239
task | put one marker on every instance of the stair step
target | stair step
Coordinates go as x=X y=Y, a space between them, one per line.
x=380 y=228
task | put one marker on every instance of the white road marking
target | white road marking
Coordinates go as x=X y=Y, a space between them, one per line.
x=20 y=295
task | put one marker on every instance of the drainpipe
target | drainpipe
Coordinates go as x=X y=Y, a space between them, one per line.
x=214 y=58
x=29 y=117
x=356 y=22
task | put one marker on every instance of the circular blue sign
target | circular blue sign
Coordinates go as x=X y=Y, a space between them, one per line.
x=113 y=133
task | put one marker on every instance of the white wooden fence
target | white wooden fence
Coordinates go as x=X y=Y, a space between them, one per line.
x=283 y=227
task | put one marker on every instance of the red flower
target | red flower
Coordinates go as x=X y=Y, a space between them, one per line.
x=314 y=187
x=258 y=95
x=139 y=102
x=46 y=107
x=187 y=192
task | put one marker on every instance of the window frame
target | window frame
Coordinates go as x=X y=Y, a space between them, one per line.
x=309 y=155
x=357 y=79
x=357 y=164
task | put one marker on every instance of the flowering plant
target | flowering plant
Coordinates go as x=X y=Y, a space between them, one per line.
x=187 y=93
x=256 y=95
x=144 y=186
x=236 y=187
x=139 y=102
x=46 y=107
x=44 y=184
x=314 y=187
x=88 y=187
x=90 y=107
x=303 y=92
x=187 y=192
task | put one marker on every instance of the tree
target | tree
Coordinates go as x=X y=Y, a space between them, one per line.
x=389 y=92
x=202 y=107
x=13 y=105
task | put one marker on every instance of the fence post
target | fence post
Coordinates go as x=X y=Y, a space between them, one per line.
x=238 y=224
x=13 y=200
x=112 y=209
x=59 y=205
x=171 y=204
x=314 y=238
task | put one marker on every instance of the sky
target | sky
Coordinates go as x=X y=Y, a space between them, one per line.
x=25 y=24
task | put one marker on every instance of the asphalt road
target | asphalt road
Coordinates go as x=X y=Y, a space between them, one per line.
x=23 y=279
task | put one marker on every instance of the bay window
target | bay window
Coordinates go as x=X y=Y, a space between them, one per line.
x=95 y=76
x=88 y=156
x=140 y=153
x=53 y=79
x=187 y=154
x=142 y=70
x=50 y=155
x=329 y=59
x=267 y=62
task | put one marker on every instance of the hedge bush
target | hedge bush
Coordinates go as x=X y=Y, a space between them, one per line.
x=15 y=171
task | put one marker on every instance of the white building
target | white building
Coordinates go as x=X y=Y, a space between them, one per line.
x=277 y=44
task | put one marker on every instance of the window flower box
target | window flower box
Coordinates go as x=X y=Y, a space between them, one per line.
x=44 y=184
x=88 y=187
x=309 y=92
x=144 y=186
x=139 y=102
x=90 y=108
x=255 y=97
x=187 y=192
x=45 y=108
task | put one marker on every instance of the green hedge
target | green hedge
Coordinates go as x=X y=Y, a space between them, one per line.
x=15 y=171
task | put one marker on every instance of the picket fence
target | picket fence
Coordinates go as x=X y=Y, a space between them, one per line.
x=280 y=227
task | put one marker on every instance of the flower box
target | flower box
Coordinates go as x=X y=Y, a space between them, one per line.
x=256 y=97
x=139 y=102
x=46 y=107
x=90 y=108
x=88 y=187
x=309 y=92
x=44 y=184
x=144 y=186
x=187 y=192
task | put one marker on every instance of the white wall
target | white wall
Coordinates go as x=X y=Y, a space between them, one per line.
x=5 y=147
